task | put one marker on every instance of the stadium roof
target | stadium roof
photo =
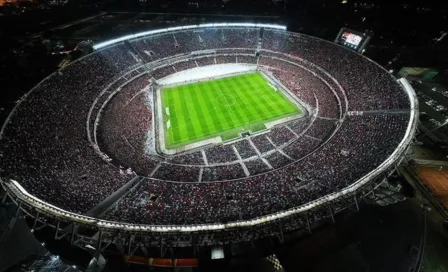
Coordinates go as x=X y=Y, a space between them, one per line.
x=151 y=32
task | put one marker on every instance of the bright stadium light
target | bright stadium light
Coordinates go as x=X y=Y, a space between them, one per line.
x=152 y=32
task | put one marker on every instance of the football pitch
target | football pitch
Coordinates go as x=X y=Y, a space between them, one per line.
x=222 y=107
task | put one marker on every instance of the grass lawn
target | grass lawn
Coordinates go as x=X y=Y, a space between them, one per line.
x=221 y=107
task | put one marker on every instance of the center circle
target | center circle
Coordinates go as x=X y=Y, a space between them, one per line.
x=227 y=100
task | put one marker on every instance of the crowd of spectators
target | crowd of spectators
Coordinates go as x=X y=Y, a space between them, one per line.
x=119 y=57
x=183 y=42
x=225 y=59
x=205 y=61
x=321 y=128
x=280 y=135
x=44 y=146
x=220 y=154
x=308 y=87
x=156 y=47
x=175 y=172
x=217 y=202
x=256 y=166
x=163 y=71
x=185 y=65
x=299 y=125
x=347 y=67
x=246 y=59
x=191 y=158
x=262 y=143
x=123 y=136
x=277 y=159
x=301 y=147
x=245 y=149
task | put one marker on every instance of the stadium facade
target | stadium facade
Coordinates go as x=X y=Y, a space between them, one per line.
x=81 y=151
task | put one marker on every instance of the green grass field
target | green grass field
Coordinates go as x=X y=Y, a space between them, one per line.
x=223 y=107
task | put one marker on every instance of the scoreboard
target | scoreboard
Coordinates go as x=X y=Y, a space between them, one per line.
x=352 y=39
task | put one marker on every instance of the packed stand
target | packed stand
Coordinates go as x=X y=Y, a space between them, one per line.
x=49 y=126
x=157 y=47
x=185 y=65
x=329 y=169
x=194 y=158
x=123 y=136
x=174 y=172
x=347 y=67
x=256 y=166
x=220 y=154
x=245 y=149
x=225 y=59
x=162 y=72
x=280 y=135
x=307 y=86
x=223 y=172
x=262 y=143
x=321 y=128
x=246 y=59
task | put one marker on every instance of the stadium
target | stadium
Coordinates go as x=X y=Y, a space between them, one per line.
x=204 y=135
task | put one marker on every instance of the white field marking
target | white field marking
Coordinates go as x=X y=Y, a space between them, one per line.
x=189 y=117
x=223 y=122
x=211 y=133
x=226 y=123
x=217 y=139
x=228 y=104
x=273 y=87
x=168 y=124
x=217 y=132
x=171 y=136
x=167 y=111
